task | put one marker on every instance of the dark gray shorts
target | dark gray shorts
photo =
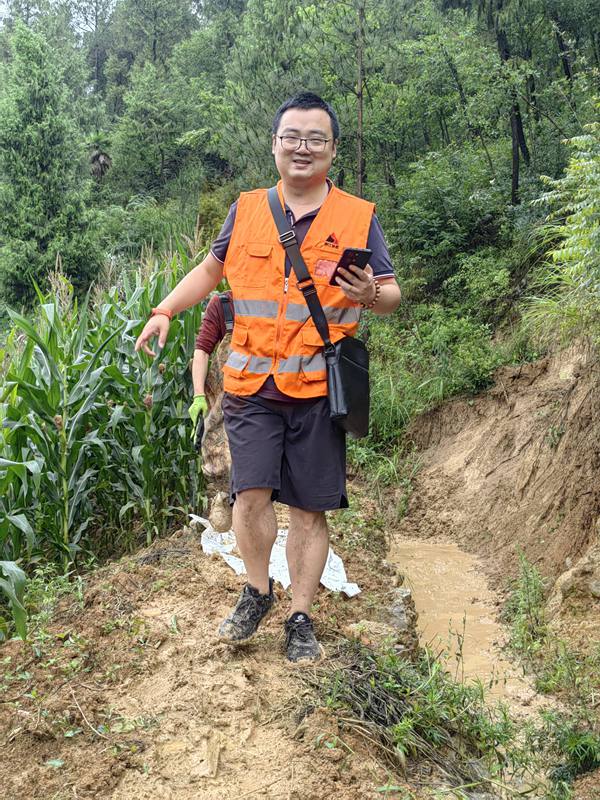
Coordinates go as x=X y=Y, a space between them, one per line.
x=292 y=448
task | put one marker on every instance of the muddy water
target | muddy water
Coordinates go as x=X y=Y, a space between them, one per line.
x=457 y=613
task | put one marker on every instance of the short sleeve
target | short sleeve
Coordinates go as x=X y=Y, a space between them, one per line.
x=380 y=261
x=220 y=245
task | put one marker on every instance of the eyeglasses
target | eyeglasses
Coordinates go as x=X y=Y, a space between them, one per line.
x=291 y=143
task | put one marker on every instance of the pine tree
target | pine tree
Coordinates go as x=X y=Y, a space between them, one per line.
x=42 y=186
x=145 y=153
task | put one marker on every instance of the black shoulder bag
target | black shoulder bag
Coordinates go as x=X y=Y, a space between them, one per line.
x=347 y=361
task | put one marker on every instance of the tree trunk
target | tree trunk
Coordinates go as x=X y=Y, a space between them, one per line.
x=596 y=48
x=562 y=49
x=516 y=114
x=514 y=193
x=154 y=37
x=426 y=137
x=516 y=122
x=474 y=130
x=360 y=166
x=443 y=128
x=531 y=89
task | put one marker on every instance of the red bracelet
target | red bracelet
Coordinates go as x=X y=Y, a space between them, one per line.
x=166 y=311
x=375 y=299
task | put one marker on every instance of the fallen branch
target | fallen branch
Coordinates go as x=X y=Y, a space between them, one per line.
x=85 y=719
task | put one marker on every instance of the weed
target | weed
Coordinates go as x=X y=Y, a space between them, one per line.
x=556 y=667
x=525 y=610
x=415 y=710
x=332 y=742
x=554 y=435
x=116 y=723
x=358 y=528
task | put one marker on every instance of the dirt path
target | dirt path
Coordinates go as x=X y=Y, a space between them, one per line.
x=132 y=697
x=458 y=618
x=516 y=470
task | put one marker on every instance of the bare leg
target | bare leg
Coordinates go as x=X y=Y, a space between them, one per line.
x=306 y=550
x=255 y=526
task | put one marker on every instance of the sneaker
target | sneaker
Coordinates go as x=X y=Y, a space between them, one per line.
x=300 y=642
x=250 y=610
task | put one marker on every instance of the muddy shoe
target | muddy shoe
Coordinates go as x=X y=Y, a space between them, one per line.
x=251 y=609
x=300 y=641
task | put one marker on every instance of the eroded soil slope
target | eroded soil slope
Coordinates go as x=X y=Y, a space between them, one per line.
x=517 y=468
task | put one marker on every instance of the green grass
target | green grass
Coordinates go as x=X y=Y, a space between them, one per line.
x=572 y=736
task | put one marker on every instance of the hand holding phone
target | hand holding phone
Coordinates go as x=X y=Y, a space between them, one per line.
x=352 y=256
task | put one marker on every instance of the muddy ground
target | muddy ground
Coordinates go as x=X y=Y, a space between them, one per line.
x=127 y=695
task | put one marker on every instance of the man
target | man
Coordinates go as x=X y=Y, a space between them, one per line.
x=283 y=444
x=210 y=354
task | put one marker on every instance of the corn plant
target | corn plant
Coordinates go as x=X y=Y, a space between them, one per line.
x=95 y=444
x=12 y=583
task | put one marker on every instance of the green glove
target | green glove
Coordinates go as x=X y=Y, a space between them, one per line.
x=198 y=408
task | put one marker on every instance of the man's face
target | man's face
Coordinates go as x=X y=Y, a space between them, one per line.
x=304 y=165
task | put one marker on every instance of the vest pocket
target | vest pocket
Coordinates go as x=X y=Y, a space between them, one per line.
x=237 y=361
x=239 y=335
x=324 y=265
x=254 y=268
x=312 y=366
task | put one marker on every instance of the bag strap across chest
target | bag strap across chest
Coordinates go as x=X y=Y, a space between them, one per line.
x=287 y=238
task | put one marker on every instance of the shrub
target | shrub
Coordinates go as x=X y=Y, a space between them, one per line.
x=567 y=303
x=420 y=361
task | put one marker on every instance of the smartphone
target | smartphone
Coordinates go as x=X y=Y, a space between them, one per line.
x=356 y=256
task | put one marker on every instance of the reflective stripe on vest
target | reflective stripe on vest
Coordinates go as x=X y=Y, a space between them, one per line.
x=256 y=308
x=314 y=363
x=254 y=364
x=274 y=333
x=338 y=316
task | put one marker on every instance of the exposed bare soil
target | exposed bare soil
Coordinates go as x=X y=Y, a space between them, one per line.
x=130 y=696
x=516 y=469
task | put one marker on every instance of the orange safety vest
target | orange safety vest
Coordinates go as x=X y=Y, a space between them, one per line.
x=274 y=333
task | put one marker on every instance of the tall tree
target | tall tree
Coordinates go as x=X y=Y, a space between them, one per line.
x=140 y=31
x=145 y=153
x=93 y=23
x=43 y=190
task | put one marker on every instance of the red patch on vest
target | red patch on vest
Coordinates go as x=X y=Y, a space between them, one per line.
x=324 y=268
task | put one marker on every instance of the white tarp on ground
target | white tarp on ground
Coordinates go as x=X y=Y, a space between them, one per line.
x=334 y=574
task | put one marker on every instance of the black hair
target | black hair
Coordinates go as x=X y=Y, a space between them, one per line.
x=307 y=100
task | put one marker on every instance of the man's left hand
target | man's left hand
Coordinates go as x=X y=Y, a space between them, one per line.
x=357 y=284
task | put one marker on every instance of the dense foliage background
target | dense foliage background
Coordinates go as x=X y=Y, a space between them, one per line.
x=121 y=122
x=126 y=129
